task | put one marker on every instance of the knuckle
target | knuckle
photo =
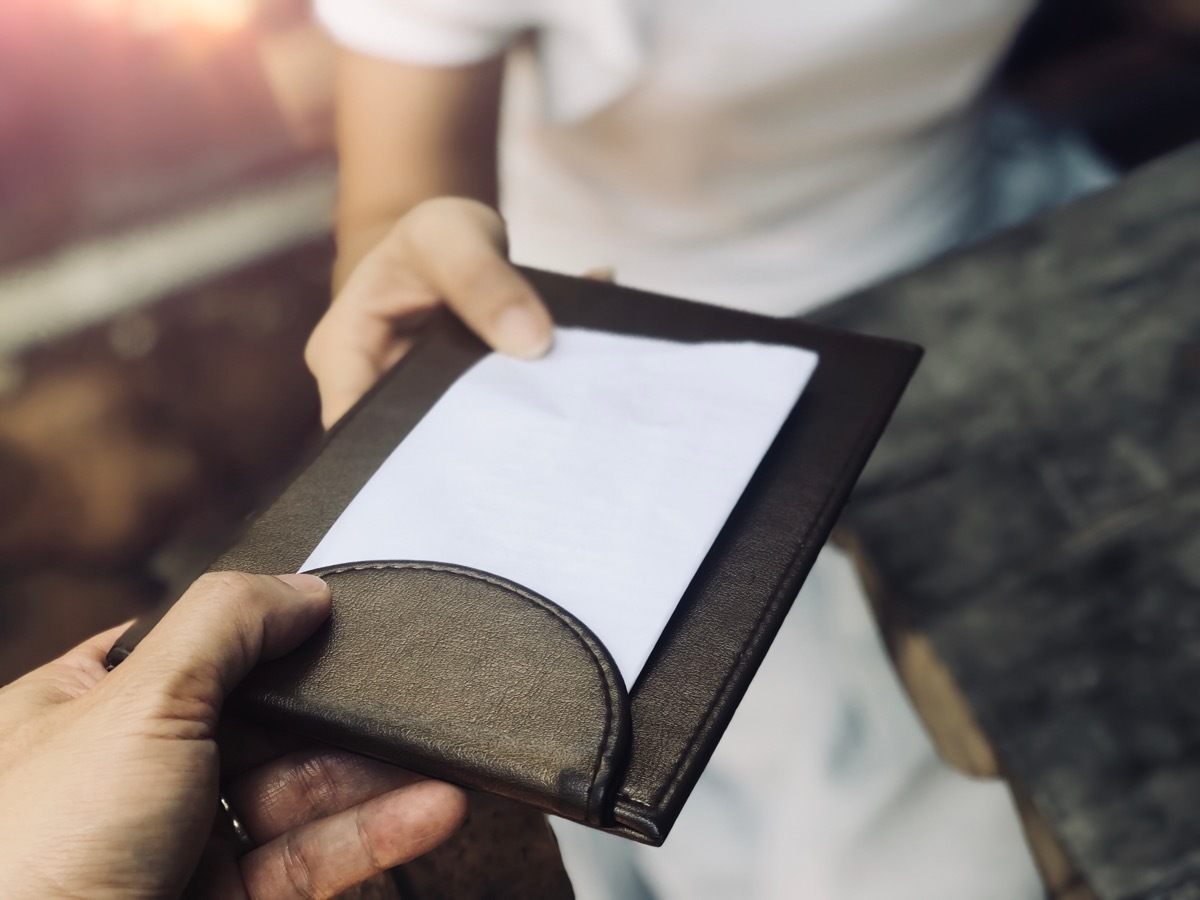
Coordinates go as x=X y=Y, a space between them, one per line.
x=186 y=703
x=236 y=586
x=367 y=844
x=415 y=225
x=475 y=276
x=242 y=600
x=426 y=228
x=317 y=784
x=296 y=871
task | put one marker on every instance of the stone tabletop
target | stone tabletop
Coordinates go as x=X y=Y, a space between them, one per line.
x=1034 y=511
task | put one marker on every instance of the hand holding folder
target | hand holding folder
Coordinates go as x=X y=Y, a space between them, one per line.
x=472 y=676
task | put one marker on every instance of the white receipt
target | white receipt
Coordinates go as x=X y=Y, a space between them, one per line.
x=597 y=477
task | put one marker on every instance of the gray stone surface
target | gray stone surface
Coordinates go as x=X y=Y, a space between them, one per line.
x=1035 y=511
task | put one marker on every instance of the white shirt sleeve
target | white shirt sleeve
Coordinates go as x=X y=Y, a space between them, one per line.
x=425 y=32
x=589 y=50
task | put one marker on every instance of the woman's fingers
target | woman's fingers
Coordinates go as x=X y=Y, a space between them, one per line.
x=328 y=855
x=459 y=248
x=447 y=250
x=309 y=784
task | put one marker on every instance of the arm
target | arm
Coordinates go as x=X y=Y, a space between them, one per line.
x=407 y=134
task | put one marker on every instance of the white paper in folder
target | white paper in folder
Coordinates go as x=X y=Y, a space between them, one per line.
x=598 y=476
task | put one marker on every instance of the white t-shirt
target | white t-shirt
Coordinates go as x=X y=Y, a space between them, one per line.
x=762 y=154
x=766 y=155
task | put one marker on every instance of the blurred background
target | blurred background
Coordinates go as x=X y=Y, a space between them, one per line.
x=166 y=184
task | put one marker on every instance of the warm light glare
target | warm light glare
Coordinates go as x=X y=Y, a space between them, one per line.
x=160 y=15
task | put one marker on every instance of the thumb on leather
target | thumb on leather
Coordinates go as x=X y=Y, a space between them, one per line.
x=215 y=634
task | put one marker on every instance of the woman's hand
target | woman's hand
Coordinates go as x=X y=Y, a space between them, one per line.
x=109 y=781
x=447 y=250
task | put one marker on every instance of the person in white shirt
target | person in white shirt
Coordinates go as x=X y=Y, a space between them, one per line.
x=758 y=154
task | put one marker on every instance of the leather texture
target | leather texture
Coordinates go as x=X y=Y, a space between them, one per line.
x=465 y=676
x=430 y=643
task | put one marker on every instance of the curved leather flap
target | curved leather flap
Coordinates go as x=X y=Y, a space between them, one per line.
x=461 y=675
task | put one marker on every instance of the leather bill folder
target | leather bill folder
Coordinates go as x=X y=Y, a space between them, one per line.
x=466 y=676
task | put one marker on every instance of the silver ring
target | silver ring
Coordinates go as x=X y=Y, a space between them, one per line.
x=234 y=825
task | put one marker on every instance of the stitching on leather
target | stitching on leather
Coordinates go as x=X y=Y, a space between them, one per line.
x=877 y=409
x=541 y=603
x=708 y=711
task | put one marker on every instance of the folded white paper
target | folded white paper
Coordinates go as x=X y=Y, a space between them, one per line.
x=597 y=477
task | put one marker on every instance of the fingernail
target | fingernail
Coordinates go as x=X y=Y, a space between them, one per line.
x=524 y=331
x=306 y=584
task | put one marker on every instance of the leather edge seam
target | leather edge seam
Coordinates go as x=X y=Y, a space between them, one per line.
x=612 y=692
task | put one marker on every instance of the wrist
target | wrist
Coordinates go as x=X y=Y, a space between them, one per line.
x=355 y=242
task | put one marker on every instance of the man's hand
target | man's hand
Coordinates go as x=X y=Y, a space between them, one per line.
x=109 y=781
x=447 y=250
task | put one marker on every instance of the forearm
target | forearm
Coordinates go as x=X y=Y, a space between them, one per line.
x=407 y=134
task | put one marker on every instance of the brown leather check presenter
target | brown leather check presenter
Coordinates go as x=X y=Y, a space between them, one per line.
x=468 y=677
